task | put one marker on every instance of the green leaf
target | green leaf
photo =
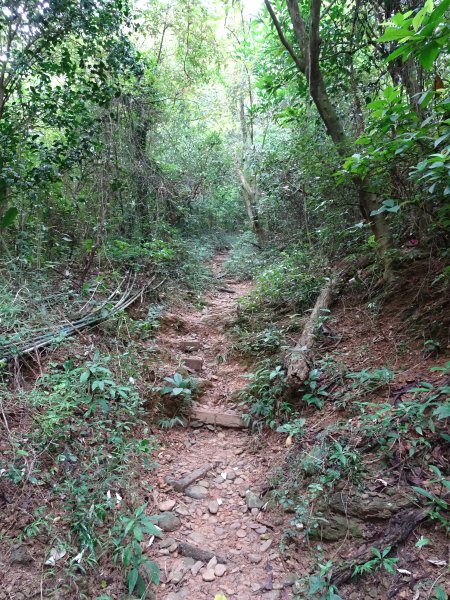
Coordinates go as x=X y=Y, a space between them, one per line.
x=422 y=541
x=84 y=376
x=9 y=217
x=392 y=34
x=442 y=412
x=132 y=579
x=428 y=54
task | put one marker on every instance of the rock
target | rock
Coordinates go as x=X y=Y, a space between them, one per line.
x=208 y=575
x=265 y=545
x=167 y=505
x=196 y=568
x=220 y=570
x=231 y=475
x=241 y=533
x=255 y=558
x=253 y=500
x=179 y=569
x=181 y=484
x=193 y=362
x=168 y=521
x=212 y=563
x=198 y=492
x=21 y=556
x=167 y=542
x=336 y=527
x=289 y=579
x=255 y=512
x=213 y=507
x=189 y=345
x=182 y=510
x=196 y=538
x=273 y=595
x=261 y=529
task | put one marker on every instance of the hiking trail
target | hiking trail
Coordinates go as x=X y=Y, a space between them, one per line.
x=218 y=539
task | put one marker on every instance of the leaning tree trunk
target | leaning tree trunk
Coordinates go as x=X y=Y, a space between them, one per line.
x=298 y=368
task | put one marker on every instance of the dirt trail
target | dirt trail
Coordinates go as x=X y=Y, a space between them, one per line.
x=222 y=520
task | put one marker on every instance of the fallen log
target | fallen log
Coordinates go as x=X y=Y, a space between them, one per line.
x=199 y=554
x=298 y=368
x=181 y=484
x=398 y=530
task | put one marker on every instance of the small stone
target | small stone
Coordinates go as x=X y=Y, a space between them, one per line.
x=173 y=547
x=231 y=475
x=197 y=492
x=167 y=521
x=197 y=538
x=166 y=542
x=196 y=568
x=273 y=595
x=182 y=510
x=255 y=558
x=220 y=570
x=213 y=507
x=21 y=556
x=167 y=505
x=219 y=531
x=241 y=533
x=265 y=545
x=195 y=363
x=261 y=530
x=255 y=512
x=289 y=579
x=212 y=563
x=253 y=500
x=208 y=575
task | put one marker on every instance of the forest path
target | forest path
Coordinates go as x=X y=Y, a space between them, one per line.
x=225 y=516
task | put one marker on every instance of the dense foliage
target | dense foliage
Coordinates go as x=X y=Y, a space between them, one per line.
x=138 y=137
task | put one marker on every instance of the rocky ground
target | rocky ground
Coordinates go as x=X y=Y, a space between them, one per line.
x=218 y=537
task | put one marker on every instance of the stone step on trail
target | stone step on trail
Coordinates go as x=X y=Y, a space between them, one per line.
x=217 y=418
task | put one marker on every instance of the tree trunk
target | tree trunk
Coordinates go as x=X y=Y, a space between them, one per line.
x=368 y=203
x=298 y=368
x=307 y=61
x=249 y=193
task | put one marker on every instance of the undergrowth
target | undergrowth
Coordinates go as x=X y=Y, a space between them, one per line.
x=85 y=437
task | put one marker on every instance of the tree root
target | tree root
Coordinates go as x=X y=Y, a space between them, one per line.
x=398 y=530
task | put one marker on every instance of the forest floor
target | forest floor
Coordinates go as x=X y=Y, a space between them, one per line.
x=230 y=499
x=221 y=512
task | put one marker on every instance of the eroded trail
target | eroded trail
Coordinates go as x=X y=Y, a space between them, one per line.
x=220 y=513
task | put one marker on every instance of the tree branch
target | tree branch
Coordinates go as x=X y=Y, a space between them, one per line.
x=300 y=64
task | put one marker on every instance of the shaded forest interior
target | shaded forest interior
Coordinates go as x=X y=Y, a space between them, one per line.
x=224 y=299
